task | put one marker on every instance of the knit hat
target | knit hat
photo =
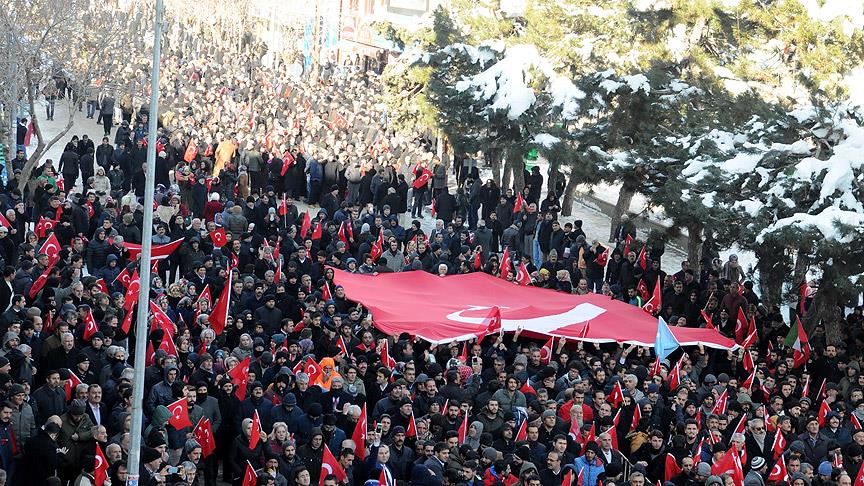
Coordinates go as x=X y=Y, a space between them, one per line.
x=757 y=463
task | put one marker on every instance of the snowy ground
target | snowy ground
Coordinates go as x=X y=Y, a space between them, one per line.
x=594 y=221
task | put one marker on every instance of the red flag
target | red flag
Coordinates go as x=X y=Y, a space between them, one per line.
x=124 y=278
x=411 y=430
x=568 y=478
x=240 y=377
x=655 y=303
x=546 y=351
x=90 y=327
x=527 y=389
x=779 y=473
x=800 y=343
x=100 y=467
x=522 y=276
x=206 y=295
x=859 y=478
x=617 y=395
x=697 y=457
x=305 y=225
x=674 y=376
x=287 y=161
x=627 y=242
x=583 y=334
x=359 y=435
x=803 y=292
x=249 y=477
x=103 y=287
x=637 y=416
x=603 y=258
x=779 y=444
x=386 y=360
x=434 y=209
x=325 y=292
x=204 y=436
x=329 y=465
x=316 y=233
x=742 y=424
x=386 y=477
x=43 y=226
x=179 y=414
x=748 y=383
x=821 y=393
x=720 y=406
x=822 y=416
x=127 y=322
x=741 y=325
x=505 y=264
x=313 y=370
x=157 y=251
x=463 y=429
x=613 y=431
x=4 y=222
x=643 y=258
x=493 y=325
x=642 y=288
x=168 y=345
x=51 y=247
x=730 y=464
x=672 y=468
x=655 y=368
x=71 y=384
x=161 y=320
x=343 y=234
x=378 y=247
x=522 y=434
x=132 y=292
x=422 y=179
x=218 y=237
x=478 y=260
x=855 y=422
x=747 y=362
x=255 y=434
x=707 y=318
x=520 y=204
x=219 y=316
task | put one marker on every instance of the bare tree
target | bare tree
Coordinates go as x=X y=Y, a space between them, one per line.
x=75 y=40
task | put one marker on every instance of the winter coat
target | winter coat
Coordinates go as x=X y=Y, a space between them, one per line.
x=24 y=424
x=590 y=471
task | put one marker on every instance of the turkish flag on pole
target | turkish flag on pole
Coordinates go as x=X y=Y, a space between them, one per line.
x=603 y=258
x=377 y=247
x=520 y=203
x=422 y=179
x=287 y=161
x=730 y=464
x=463 y=429
x=505 y=264
x=493 y=325
x=249 y=477
x=220 y=312
x=317 y=232
x=643 y=258
x=859 y=478
x=522 y=434
x=411 y=430
x=204 y=435
x=43 y=226
x=523 y=277
x=305 y=225
x=255 y=434
x=546 y=351
x=613 y=431
x=40 y=282
x=359 y=435
x=132 y=292
x=124 y=278
x=100 y=467
x=161 y=320
x=127 y=322
x=637 y=416
x=671 y=468
x=568 y=478
x=655 y=303
x=822 y=416
x=741 y=325
x=779 y=472
x=218 y=237
x=313 y=370
x=71 y=384
x=386 y=360
x=157 y=251
x=331 y=466
x=168 y=346
x=51 y=247
x=90 y=327
x=779 y=445
x=617 y=395
x=103 y=287
x=179 y=414
x=240 y=377
x=325 y=292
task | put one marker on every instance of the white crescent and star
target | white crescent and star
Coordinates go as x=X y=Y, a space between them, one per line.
x=581 y=313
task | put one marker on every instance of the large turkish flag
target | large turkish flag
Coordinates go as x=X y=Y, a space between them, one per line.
x=456 y=307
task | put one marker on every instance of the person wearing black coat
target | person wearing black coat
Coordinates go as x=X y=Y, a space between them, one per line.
x=69 y=167
x=445 y=205
x=41 y=459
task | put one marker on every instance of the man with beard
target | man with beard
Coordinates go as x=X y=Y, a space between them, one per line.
x=652 y=455
x=288 y=461
x=256 y=402
x=333 y=436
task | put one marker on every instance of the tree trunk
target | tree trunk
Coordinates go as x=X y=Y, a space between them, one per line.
x=569 y=196
x=505 y=176
x=493 y=158
x=694 y=241
x=826 y=309
x=773 y=266
x=625 y=197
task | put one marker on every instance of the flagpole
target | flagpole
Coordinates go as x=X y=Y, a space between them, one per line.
x=144 y=263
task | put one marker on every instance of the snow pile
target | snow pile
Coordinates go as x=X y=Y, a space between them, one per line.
x=545 y=140
x=638 y=82
x=846 y=160
x=826 y=222
x=850 y=11
x=507 y=83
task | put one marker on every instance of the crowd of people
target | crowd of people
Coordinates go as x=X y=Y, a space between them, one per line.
x=278 y=383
